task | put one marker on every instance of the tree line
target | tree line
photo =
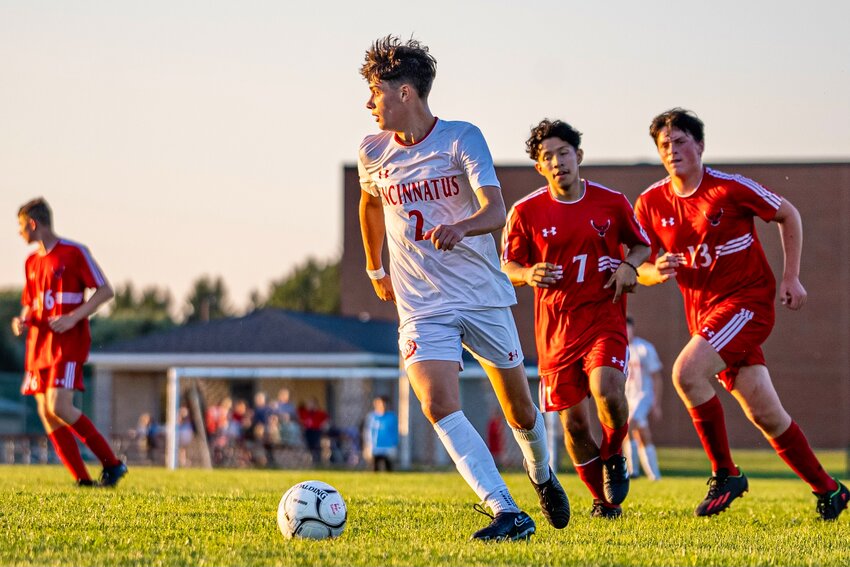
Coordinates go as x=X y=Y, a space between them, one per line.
x=312 y=287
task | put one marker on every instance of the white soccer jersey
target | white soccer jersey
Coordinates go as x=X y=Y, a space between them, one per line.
x=425 y=184
x=643 y=363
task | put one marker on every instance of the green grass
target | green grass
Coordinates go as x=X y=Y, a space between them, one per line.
x=227 y=517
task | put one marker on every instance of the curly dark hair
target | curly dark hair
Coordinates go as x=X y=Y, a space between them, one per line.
x=551 y=129
x=390 y=59
x=37 y=210
x=681 y=119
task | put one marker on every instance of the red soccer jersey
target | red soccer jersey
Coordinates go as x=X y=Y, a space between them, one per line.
x=713 y=231
x=56 y=284
x=586 y=238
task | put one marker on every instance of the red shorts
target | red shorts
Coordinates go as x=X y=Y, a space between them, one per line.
x=737 y=333
x=68 y=375
x=569 y=385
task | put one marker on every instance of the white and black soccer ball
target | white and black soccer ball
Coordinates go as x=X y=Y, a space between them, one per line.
x=312 y=509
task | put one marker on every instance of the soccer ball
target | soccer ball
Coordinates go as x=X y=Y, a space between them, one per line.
x=311 y=509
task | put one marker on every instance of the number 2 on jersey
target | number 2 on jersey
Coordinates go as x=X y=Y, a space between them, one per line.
x=420 y=223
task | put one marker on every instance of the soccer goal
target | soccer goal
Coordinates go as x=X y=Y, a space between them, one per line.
x=179 y=375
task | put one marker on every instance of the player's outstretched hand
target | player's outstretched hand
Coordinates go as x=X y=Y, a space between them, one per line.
x=792 y=293
x=444 y=236
x=384 y=288
x=543 y=274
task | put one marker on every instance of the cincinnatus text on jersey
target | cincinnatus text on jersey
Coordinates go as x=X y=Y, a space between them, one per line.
x=428 y=190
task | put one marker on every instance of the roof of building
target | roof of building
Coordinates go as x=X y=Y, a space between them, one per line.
x=268 y=331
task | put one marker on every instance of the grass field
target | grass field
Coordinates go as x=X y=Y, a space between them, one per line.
x=227 y=517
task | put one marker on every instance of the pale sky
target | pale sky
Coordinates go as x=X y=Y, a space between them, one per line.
x=178 y=139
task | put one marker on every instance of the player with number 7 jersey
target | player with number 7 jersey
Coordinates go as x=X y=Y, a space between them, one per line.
x=566 y=241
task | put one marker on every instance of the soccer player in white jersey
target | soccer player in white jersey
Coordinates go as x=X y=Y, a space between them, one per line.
x=643 y=392
x=566 y=241
x=429 y=187
x=703 y=220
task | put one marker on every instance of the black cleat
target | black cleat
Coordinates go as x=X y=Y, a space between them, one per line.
x=85 y=482
x=506 y=526
x=831 y=504
x=553 y=500
x=602 y=509
x=111 y=475
x=615 y=478
x=722 y=490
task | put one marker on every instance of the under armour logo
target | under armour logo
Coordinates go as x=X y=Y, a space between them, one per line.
x=708 y=332
x=618 y=362
x=547 y=232
x=384 y=174
x=514 y=354
x=601 y=229
x=667 y=222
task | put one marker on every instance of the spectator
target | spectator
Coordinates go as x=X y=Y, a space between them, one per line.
x=261 y=408
x=383 y=435
x=291 y=435
x=218 y=417
x=282 y=405
x=313 y=420
x=146 y=433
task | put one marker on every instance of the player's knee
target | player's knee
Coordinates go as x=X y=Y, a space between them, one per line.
x=521 y=418
x=578 y=429
x=770 y=420
x=435 y=410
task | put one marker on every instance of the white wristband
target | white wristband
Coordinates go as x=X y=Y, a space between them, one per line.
x=378 y=274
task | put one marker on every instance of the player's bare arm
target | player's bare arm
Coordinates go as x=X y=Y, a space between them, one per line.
x=373 y=231
x=541 y=274
x=625 y=277
x=63 y=323
x=792 y=294
x=491 y=216
x=663 y=269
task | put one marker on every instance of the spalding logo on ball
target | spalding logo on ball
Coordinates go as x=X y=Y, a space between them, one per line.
x=312 y=509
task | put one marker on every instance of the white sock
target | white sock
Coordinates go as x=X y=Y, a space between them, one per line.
x=630 y=452
x=649 y=460
x=474 y=462
x=535 y=450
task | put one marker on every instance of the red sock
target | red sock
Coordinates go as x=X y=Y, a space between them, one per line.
x=590 y=474
x=88 y=434
x=68 y=452
x=793 y=447
x=612 y=441
x=710 y=424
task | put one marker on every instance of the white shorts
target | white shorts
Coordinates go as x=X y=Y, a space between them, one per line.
x=490 y=335
x=639 y=409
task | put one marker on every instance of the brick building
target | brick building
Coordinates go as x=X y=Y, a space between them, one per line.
x=808 y=353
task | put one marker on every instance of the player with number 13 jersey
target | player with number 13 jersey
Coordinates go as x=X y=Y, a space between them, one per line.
x=712 y=232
